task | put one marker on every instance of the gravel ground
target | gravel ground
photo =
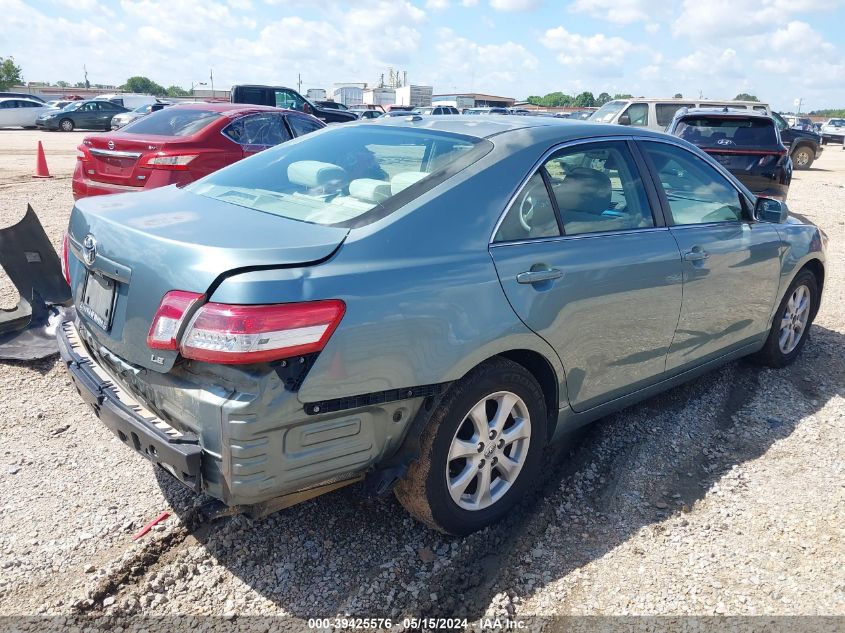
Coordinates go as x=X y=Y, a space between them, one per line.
x=722 y=497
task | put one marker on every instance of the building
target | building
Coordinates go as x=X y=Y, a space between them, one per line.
x=349 y=95
x=473 y=100
x=316 y=94
x=380 y=96
x=414 y=96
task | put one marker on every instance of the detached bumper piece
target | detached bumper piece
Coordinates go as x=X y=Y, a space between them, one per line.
x=177 y=452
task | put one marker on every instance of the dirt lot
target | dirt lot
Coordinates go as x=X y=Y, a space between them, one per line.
x=724 y=496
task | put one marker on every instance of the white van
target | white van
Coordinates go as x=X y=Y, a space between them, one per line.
x=656 y=114
x=129 y=101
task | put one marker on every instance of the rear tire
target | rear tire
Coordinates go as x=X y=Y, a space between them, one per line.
x=66 y=125
x=791 y=325
x=475 y=466
x=803 y=157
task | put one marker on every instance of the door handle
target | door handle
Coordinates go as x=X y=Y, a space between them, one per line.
x=538 y=276
x=696 y=255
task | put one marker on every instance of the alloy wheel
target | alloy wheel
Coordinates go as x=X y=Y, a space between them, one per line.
x=802 y=158
x=795 y=318
x=488 y=451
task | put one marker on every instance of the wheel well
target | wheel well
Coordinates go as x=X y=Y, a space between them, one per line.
x=817 y=268
x=545 y=376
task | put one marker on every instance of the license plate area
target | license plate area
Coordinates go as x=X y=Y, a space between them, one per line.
x=98 y=299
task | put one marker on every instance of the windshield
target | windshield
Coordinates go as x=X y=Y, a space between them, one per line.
x=609 y=110
x=172 y=122
x=74 y=105
x=144 y=109
x=836 y=122
x=343 y=176
x=727 y=133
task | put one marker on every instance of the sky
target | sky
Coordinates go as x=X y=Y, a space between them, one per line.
x=779 y=50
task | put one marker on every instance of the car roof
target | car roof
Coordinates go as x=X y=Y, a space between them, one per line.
x=487 y=126
x=229 y=108
x=21 y=99
x=730 y=113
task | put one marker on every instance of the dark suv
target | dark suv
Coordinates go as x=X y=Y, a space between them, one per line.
x=290 y=99
x=804 y=146
x=745 y=142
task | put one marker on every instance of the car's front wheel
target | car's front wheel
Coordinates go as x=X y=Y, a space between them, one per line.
x=790 y=327
x=66 y=125
x=803 y=157
x=480 y=452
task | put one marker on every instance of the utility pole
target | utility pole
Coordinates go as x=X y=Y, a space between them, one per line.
x=299 y=83
x=211 y=77
x=85 y=70
x=797 y=103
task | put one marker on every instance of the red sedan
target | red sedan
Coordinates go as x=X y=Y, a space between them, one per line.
x=180 y=144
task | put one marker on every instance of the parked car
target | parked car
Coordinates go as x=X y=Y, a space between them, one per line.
x=120 y=120
x=477 y=111
x=290 y=99
x=180 y=144
x=331 y=105
x=656 y=114
x=397 y=113
x=20 y=95
x=436 y=110
x=59 y=103
x=130 y=101
x=833 y=131
x=86 y=115
x=581 y=115
x=366 y=113
x=805 y=146
x=19 y=112
x=745 y=143
x=320 y=312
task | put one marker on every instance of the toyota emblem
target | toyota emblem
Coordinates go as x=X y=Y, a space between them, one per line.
x=89 y=249
x=111 y=144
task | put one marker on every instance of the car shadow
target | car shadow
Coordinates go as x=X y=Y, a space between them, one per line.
x=341 y=553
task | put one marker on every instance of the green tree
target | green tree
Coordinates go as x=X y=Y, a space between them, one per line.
x=63 y=84
x=602 y=99
x=619 y=95
x=678 y=95
x=10 y=73
x=535 y=100
x=584 y=100
x=143 y=85
x=177 y=91
x=744 y=96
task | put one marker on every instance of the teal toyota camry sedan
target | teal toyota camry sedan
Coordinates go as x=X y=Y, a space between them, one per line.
x=421 y=303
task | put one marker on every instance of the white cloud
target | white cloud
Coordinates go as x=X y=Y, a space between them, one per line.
x=616 y=11
x=437 y=5
x=598 y=52
x=709 y=62
x=515 y=5
x=469 y=3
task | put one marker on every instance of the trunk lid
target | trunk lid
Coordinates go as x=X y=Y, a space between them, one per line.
x=148 y=243
x=116 y=158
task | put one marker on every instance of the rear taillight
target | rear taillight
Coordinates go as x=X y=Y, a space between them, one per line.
x=82 y=153
x=174 y=162
x=65 y=249
x=221 y=333
x=168 y=319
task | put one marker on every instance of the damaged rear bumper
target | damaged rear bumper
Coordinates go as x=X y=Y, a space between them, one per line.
x=177 y=452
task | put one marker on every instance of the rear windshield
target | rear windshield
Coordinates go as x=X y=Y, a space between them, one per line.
x=172 y=122
x=344 y=176
x=836 y=122
x=728 y=132
x=609 y=110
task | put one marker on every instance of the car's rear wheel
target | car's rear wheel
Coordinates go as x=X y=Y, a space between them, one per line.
x=66 y=125
x=480 y=452
x=790 y=327
x=803 y=157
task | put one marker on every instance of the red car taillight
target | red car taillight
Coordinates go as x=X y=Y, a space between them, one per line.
x=169 y=317
x=65 y=249
x=173 y=162
x=229 y=334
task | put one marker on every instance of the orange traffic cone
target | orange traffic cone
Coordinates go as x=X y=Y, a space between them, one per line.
x=41 y=170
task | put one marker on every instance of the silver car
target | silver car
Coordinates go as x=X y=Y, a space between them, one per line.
x=120 y=120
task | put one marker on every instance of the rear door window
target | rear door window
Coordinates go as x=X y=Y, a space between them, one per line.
x=665 y=111
x=638 y=113
x=172 y=122
x=265 y=129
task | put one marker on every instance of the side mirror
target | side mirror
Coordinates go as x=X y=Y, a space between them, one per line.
x=624 y=120
x=771 y=210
